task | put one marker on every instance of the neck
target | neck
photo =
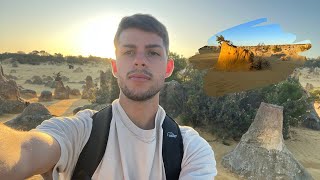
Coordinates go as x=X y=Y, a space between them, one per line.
x=141 y=113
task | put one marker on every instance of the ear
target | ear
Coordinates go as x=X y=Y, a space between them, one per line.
x=170 y=67
x=114 y=68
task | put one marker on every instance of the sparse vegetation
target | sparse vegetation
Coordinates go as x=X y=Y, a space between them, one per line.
x=36 y=57
x=276 y=49
x=259 y=64
x=220 y=39
x=230 y=116
x=312 y=63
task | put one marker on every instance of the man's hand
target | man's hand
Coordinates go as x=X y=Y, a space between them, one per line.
x=23 y=154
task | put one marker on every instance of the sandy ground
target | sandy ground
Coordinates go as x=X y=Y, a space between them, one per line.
x=220 y=82
x=304 y=145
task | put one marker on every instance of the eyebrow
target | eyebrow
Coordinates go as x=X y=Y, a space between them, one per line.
x=147 y=46
x=153 y=46
x=129 y=46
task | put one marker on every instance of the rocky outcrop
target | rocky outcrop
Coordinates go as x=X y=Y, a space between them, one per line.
x=291 y=51
x=209 y=49
x=45 y=96
x=103 y=80
x=10 y=100
x=28 y=93
x=261 y=152
x=288 y=51
x=51 y=84
x=312 y=121
x=47 y=78
x=31 y=116
x=234 y=58
x=89 y=88
x=309 y=87
x=61 y=92
x=172 y=97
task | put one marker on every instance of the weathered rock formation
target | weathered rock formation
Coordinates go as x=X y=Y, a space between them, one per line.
x=89 y=88
x=51 y=84
x=28 y=93
x=309 y=87
x=209 y=49
x=10 y=100
x=290 y=51
x=312 y=121
x=31 y=116
x=36 y=80
x=172 y=97
x=11 y=77
x=45 y=96
x=61 y=92
x=234 y=58
x=311 y=118
x=103 y=80
x=47 y=78
x=261 y=153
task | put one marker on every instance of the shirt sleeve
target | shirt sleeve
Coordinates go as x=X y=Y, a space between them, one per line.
x=198 y=159
x=72 y=133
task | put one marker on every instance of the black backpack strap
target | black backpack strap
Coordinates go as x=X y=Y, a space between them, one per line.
x=94 y=149
x=172 y=148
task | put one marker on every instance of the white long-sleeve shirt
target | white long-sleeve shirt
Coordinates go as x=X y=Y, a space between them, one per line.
x=131 y=153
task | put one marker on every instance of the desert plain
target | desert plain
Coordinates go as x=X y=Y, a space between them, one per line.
x=304 y=144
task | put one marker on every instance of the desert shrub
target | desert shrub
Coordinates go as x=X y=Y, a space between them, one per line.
x=276 y=49
x=226 y=116
x=231 y=115
x=312 y=63
x=259 y=64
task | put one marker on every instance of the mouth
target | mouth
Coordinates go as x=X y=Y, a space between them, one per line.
x=139 y=77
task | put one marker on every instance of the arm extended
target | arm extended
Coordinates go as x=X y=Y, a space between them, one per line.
x=23 y=154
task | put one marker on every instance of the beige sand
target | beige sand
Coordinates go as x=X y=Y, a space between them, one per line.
x=305 y=143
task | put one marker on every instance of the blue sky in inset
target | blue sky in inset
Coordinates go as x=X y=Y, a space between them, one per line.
x=254 y=32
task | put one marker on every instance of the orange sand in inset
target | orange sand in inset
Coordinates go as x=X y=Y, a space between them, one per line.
x=219 y=83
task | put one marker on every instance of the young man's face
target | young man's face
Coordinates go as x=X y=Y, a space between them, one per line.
x=142 y=64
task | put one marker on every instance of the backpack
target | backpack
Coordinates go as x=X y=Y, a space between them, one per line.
x=93 y=151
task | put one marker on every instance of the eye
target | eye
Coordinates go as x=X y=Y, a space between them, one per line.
x=153 y=53
x=129 y=53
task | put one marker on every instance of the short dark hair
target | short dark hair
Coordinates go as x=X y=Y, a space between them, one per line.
x=146 y=23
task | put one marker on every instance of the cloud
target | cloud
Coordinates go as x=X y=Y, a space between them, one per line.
x=251 y=33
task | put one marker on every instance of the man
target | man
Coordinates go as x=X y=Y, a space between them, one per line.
x=135 y=139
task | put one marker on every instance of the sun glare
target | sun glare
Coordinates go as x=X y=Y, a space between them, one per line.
x=96 y=37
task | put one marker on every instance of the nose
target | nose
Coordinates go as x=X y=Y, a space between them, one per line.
x=140 y=59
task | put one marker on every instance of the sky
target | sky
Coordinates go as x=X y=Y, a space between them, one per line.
x=87 y=27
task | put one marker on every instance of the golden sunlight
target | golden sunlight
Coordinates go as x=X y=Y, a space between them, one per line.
x=96 y=37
